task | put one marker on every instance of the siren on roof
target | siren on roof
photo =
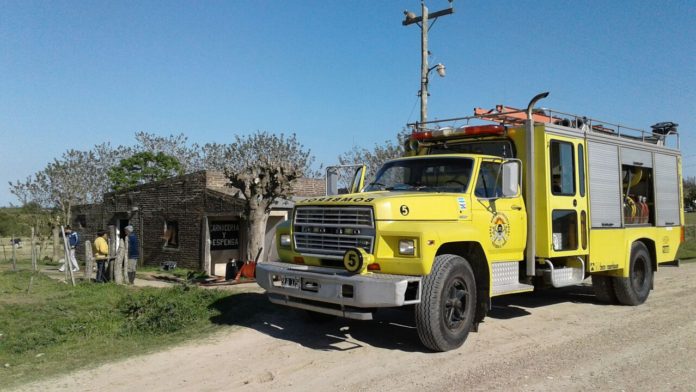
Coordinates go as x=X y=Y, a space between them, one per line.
x=665 y=128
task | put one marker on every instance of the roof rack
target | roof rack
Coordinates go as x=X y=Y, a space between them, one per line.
x=506 y=115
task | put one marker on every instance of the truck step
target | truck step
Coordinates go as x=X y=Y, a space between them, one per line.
x=506 y=279
x=564 y=276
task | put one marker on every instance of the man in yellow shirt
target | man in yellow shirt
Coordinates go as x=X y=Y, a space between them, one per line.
x=101 y=254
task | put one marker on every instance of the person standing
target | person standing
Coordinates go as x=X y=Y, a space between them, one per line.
x=73 y=240
x=133 y=253
x=101 y=254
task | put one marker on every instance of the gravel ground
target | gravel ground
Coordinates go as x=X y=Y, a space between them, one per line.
x=549 y=341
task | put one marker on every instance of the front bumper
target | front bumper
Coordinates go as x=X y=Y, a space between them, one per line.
x=336 y=292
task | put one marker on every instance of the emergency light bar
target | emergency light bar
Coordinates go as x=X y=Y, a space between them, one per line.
x=473 y=130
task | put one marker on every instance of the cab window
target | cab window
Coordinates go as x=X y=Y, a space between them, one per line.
x=489 y=182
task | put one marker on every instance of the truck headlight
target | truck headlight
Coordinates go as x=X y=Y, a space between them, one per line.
x=407 y=247
x=285 y=240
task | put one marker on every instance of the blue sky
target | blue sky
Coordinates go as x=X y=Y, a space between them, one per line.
x=338 y=73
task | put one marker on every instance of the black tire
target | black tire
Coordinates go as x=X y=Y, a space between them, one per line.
x=447 y=309
x=603 y=287
x=634 y=290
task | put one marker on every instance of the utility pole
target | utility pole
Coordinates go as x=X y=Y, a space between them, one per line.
x=422 y=22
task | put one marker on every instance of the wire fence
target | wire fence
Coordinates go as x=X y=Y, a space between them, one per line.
x=22 y=248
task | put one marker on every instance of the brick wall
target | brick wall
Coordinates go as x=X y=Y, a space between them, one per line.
x=185 y=200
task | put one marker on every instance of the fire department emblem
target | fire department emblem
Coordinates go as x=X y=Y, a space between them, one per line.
x=499 y=230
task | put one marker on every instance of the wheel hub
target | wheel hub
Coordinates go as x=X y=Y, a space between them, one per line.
x=456 y=304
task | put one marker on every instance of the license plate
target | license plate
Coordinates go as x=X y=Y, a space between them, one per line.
x=290 y=282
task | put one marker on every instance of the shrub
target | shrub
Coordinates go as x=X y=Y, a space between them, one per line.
x=158 y=311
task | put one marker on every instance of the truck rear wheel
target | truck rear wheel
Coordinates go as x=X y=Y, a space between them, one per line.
x=634 y=290
x=446 y=312
x=603 y=287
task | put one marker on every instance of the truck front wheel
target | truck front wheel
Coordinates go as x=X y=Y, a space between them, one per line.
x=446 y=312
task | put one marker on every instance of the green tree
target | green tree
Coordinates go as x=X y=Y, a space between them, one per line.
x=689 y=191
x=143 y=167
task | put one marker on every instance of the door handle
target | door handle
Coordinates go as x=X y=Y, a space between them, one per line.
x=516 y=207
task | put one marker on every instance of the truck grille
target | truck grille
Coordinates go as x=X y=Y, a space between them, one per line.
x=329 y=231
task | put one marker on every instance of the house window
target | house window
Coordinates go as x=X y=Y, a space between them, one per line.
x=171 y=235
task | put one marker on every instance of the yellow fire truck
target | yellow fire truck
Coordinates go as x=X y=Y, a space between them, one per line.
x=496 y=203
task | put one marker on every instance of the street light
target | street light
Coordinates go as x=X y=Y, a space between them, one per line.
x=422 y=22
x=440 y=69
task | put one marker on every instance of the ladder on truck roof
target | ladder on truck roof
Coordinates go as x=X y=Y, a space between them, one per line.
x=512 y=116
x=507 y=115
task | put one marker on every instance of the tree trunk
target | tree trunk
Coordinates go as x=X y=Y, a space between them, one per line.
x=33 y=251
x=257 y=231
x=56 y=245
x=43 y=246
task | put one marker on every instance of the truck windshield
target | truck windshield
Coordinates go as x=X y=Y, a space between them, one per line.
x=424 y=174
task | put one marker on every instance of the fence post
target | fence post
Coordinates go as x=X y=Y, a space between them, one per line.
x=14 y=254
x=68 y=262
x=125 y=260
x=113 y=240
x=118 y=264
x=89 y=261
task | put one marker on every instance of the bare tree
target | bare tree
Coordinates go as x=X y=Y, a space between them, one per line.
x=262 y=166
x=176 y=146
x=214 y=156
x=375 y=157
x=77 y=177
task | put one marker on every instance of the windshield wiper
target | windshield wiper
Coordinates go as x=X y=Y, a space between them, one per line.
x=406 y=187
x=382 y=186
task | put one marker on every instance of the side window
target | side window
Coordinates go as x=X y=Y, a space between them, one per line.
x=562 y=168
x=488 y=182
x=581 y=168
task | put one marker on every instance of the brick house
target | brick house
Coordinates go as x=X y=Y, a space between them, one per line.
x=194 y=220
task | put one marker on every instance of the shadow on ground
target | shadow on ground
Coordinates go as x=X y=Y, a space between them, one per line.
x=392 y=329
x=518 y=305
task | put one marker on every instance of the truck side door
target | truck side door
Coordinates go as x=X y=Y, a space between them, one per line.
x=565 y=226
x=503 y=221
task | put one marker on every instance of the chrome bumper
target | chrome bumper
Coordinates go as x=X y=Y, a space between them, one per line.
x=336 y=292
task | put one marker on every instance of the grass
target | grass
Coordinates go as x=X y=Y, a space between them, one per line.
x=48 y=327
x=687 y=250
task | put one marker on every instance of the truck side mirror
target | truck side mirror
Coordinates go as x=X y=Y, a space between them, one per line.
x=331 y=181
x=358 y=180
x=511 y=170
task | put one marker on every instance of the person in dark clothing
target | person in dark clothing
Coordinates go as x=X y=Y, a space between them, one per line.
x=133 y=253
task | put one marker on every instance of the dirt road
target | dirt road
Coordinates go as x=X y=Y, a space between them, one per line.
x=556 y=340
